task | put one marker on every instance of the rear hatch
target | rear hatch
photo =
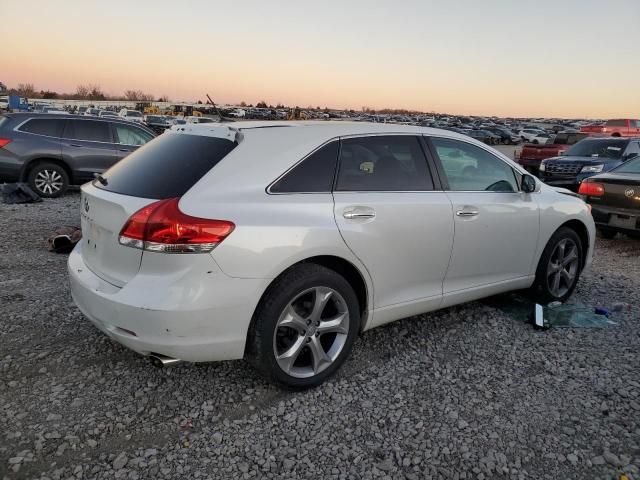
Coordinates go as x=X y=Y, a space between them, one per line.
x=166 y=167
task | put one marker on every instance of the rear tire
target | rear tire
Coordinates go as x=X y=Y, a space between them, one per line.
x=607 y=233
x=49 y=180
x=559 y=268
x=304 y=327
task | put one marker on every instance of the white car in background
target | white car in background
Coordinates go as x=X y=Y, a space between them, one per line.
x=542 y=139
x=528 y=134
x=281 y=242
x=131 y=115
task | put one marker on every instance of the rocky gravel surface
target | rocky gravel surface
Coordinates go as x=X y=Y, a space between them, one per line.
x=464 y=393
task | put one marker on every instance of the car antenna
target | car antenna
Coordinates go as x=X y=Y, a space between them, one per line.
x=222 y=117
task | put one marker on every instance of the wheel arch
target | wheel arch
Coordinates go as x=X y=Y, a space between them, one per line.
x=583 y=233
x=343 y=267
x=24 y=174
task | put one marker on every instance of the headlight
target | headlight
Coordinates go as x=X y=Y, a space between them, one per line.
x=543 y=167
x=592 y=168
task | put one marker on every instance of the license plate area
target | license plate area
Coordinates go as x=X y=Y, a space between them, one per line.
x=622 y=221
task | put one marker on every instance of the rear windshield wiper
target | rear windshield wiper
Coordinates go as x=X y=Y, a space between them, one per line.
x=101 y=179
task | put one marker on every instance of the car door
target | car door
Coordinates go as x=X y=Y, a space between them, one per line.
x=496 y=225
x=128 y=138
x=395 y=219
x=88 y=147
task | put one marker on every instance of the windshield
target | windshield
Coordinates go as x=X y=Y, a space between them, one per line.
x=632 y=166
x=611 y=148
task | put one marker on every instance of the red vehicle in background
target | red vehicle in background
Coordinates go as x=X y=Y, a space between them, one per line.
x=620 y=127
x=532 y=154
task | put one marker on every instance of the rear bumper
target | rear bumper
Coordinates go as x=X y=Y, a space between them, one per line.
x=602 y=216
x=198 y=314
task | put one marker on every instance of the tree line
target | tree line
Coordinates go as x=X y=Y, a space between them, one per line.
x=89 y=91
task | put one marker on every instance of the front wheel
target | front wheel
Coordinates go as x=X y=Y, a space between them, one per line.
x=559 y=267
x=304 y=327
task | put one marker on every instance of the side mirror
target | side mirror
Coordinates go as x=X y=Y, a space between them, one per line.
x=528 y=184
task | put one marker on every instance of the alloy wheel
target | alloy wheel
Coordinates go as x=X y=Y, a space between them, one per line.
x=48 y=181
x=563 y=267
x=311 y=332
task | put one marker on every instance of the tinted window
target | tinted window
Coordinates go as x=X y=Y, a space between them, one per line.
x=471 y=168
x=616 y=123
x=607 y=148
x=166 y=167
x=632 y=150
x=88 y=130
x=383 y=163
x=632 y=166
x=129 y=135
x=49 y=127
x=313 y=174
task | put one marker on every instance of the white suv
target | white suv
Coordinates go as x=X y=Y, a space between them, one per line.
x=282 y=242
x=131 y=115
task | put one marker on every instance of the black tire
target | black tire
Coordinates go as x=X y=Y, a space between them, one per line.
x=607 y=233
x=261 y=341
x=58 y=175
x=541 y=291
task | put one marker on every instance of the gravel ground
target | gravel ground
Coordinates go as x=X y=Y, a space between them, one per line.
x=462 y=393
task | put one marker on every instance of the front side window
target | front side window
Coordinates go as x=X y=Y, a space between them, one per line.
x=127 y=135
x=633 y=150
x=313 y=175
x=40 y=126
x=383 y=163
x=88 y=130
x=471 y=168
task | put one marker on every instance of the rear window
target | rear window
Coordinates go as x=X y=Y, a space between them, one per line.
x=50 y=127
x=166 y=167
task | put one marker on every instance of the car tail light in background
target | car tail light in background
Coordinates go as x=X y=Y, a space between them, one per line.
x=4 y=142
x=162 y=227
x=591 y=189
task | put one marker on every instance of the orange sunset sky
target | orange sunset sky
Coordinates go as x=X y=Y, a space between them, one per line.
x=565 y=58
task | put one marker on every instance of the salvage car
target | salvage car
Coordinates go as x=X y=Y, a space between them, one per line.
x=586 y=158
x=281 y=242
x=531 y=155
x=53 y=151
x=615 y=199
x=620 y=127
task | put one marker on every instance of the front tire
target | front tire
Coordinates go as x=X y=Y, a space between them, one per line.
x=304 y=327
x=48 y=179
x=559 y=268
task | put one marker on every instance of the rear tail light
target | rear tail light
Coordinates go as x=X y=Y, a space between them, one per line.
x=4 y=142
x=162 y=227
x=591 y=189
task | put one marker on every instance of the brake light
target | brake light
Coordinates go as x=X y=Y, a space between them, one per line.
x=591 y=189
x=162 y=227
x=4 y=142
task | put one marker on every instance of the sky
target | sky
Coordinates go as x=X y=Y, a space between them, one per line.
x=552 y=58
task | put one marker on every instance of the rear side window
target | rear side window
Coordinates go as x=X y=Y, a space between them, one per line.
x=616 y=123
x=88 y=130
x=50 y=127
x=129 y=135
x=167 y=167
x=389 y=163
x=314 y=174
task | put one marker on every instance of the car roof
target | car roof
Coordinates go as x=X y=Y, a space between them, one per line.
x=66 y=116
x=267 y=149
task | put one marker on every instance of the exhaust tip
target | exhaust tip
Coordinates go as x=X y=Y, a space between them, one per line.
x=162 y=361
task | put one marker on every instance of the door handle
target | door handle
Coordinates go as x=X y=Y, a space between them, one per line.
x=75 y=145
x=124 y=150
x=359 y=213
x=467 y=213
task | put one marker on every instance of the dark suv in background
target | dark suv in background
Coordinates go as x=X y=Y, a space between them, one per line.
x=51 y=152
